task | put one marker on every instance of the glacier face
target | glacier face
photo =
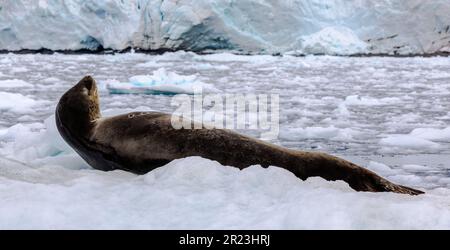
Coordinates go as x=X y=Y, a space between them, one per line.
x=339 y=27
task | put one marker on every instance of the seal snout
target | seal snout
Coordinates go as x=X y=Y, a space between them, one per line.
x=88 y=82
x=87 y=85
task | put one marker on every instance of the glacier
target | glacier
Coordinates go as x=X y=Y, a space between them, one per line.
x=335 y=27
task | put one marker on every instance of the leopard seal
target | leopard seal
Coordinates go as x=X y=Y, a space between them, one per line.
x=142 y=141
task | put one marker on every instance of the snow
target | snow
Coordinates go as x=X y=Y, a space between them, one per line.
x=388 y=114
x=160 y=82
x=252 y=26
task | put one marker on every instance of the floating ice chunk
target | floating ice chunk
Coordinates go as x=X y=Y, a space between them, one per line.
x=408 y=142
x=383 y=169
x=208 y=66
x=21 y=142
x=12 y=132
x=432 y=134
x=54 y=139
x=331 y=132
x=51 y=80
x=33 y=142
x=179 y=55
x=418 y=139
x=414 y=167
x=16 y=102
x=18 y=70
x=160 y=82
x=379 y=167
x=342 y=110
x=336 y=40
x=228 y=57
x=406 y=118
x=15 y=83
x=370 y=101
x=150 y=64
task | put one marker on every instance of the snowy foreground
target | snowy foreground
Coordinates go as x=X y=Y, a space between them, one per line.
x=389 y=114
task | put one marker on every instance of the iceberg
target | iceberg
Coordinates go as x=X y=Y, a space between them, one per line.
x=338 y=27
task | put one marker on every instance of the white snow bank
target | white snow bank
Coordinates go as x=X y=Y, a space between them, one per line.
x=15 y=83
x=160 y=82
x=333 y=41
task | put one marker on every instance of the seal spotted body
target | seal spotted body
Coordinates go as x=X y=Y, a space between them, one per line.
x=142 y=141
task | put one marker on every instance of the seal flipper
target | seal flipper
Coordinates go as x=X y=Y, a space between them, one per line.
x=333 y=168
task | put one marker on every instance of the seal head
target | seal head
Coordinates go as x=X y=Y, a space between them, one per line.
x=76 y=117
x=79 y=107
